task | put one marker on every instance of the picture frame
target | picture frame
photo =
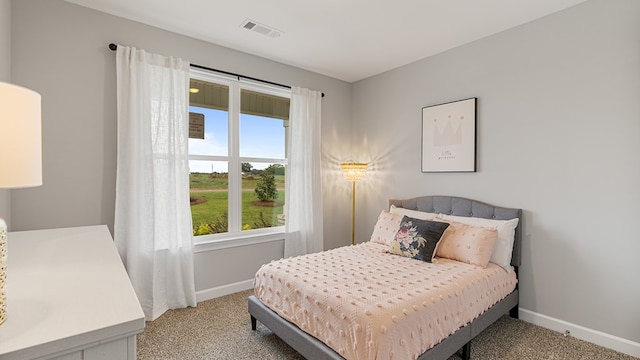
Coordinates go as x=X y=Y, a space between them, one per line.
x=449 y=136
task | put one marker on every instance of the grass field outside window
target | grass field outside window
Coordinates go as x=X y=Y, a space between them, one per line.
x=209 y=199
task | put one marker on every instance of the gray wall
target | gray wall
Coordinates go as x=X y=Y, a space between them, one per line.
x=5 y=40
x=5 y=76
x=558 y=126
x=60 y=50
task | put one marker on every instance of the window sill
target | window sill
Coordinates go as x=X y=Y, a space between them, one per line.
x=251 y=237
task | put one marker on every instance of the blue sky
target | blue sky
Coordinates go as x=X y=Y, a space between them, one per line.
x=259 y=137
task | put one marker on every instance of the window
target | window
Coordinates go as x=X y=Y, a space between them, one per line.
x=237 y=155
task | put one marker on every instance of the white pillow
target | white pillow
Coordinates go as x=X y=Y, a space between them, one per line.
x=422 y=215
x=386 y=228
x=504 y=243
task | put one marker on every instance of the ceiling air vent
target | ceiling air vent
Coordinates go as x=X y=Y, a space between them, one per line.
x=261 y=29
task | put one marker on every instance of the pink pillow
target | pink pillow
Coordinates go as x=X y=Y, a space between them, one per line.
x=386 y=228
x=506 y=235
x=467 y=243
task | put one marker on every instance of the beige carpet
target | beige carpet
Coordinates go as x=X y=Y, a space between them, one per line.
x=221 y=329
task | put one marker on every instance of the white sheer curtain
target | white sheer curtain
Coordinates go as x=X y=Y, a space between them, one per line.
x=152 y=227
x=303 y=207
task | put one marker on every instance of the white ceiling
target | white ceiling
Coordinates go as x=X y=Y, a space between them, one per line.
x=345 y=39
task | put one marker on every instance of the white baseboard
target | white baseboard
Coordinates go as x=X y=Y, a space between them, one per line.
x=580 y=332
x=219 y=291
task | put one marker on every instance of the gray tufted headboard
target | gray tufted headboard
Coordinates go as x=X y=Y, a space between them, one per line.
x=466 y=207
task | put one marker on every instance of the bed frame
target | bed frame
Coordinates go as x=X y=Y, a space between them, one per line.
x=311 y=348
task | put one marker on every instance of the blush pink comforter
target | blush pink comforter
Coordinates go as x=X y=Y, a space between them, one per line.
x=367 y=304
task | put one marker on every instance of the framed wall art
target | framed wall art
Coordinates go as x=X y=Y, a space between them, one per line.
x=449 y=137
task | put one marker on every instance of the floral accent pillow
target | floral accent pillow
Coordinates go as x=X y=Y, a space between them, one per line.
x=417 y=238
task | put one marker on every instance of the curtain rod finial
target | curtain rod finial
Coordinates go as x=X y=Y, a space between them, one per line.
x=113 y=47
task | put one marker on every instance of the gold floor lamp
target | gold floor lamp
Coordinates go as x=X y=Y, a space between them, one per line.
x=353 y=172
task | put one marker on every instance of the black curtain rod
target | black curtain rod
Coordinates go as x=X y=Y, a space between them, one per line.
x=114 y=47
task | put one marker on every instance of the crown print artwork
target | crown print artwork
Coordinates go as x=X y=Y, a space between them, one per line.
x=448 y=137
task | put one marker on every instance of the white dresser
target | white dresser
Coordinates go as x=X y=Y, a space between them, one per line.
x=68 y=297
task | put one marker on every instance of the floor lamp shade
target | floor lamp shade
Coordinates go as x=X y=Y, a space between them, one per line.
x=353 y=171
x=20 y=156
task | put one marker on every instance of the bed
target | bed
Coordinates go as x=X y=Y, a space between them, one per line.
x=304 y=337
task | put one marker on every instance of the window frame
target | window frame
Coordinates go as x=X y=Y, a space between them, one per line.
x=235 y=233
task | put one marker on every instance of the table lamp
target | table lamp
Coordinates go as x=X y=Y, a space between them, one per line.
x=353 y=172
x=20 y=156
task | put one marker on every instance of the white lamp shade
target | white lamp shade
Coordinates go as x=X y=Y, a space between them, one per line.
x=20 y=137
